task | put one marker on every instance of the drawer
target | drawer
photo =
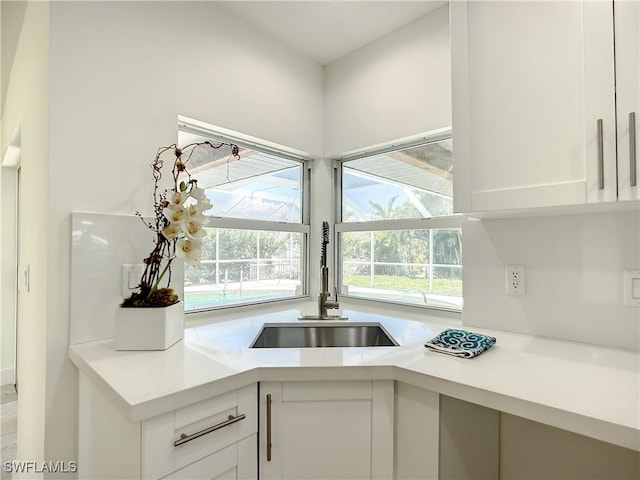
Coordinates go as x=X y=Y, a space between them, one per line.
x=237 y=462
x=184 y=436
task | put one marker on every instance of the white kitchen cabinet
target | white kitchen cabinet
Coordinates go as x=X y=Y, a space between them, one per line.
x=534 y=84
x=627 y=38
x=214 y=438
x=237 y=461
x=417 y=433
x=189 y=440
x=326 y=430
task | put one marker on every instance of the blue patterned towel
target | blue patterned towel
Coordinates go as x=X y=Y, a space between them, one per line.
x=460 y=343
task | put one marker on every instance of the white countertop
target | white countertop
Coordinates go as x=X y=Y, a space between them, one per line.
x=582 y=388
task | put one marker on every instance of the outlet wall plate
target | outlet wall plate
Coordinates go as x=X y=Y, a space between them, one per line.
x=515 y=278
x=130 y=278
x=631 y=286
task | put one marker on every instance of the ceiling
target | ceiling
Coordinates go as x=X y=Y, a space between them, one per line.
x=12 y=14
x=327 y=30
x=322 y=30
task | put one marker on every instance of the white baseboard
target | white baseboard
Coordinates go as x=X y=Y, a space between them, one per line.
x=7 y=376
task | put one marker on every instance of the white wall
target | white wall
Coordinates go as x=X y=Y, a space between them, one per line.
x=574 y=271
x=531 y=450
x=11 y=19
x=27 y=105
x=399 y=85
x=121 y=73
x=8 y=280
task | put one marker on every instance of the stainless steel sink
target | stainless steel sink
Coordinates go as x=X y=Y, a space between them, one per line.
x=318 y=335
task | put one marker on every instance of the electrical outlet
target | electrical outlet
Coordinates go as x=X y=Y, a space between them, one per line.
x=515 y=280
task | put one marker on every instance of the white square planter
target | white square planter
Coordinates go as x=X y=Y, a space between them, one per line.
x=149 y=328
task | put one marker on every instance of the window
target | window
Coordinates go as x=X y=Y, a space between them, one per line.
x=388 y=250
x=257 y=231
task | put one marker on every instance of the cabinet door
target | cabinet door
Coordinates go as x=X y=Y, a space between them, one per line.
x=627 y=39
x=530 y=81
x=326 y=430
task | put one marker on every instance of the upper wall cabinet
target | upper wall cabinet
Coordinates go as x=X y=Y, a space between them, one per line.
x=535 y=86
x=627 y=61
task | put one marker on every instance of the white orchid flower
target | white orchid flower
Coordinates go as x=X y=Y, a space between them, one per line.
x=171 y=231
x=194 y=230
x=196 y=213
x=204 y=205
x=177 y=198
x=198 y=194
x=202 y=201
x=176 y=213
x=189 y=249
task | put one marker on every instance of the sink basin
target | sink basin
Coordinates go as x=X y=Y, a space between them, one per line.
x=334 y=335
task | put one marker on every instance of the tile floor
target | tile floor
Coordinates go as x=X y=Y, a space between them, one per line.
x=8 y=426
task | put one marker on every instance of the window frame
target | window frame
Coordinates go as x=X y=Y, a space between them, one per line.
x=428 y=223
x=219 y=134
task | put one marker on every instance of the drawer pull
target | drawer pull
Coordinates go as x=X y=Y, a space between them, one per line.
x=184 y=438
x=632 y=149
x=600 y=135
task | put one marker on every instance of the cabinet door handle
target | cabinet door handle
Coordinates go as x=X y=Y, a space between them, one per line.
x=268 y=427
x=184 y=438
x=632 y=149
x=600 y=136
